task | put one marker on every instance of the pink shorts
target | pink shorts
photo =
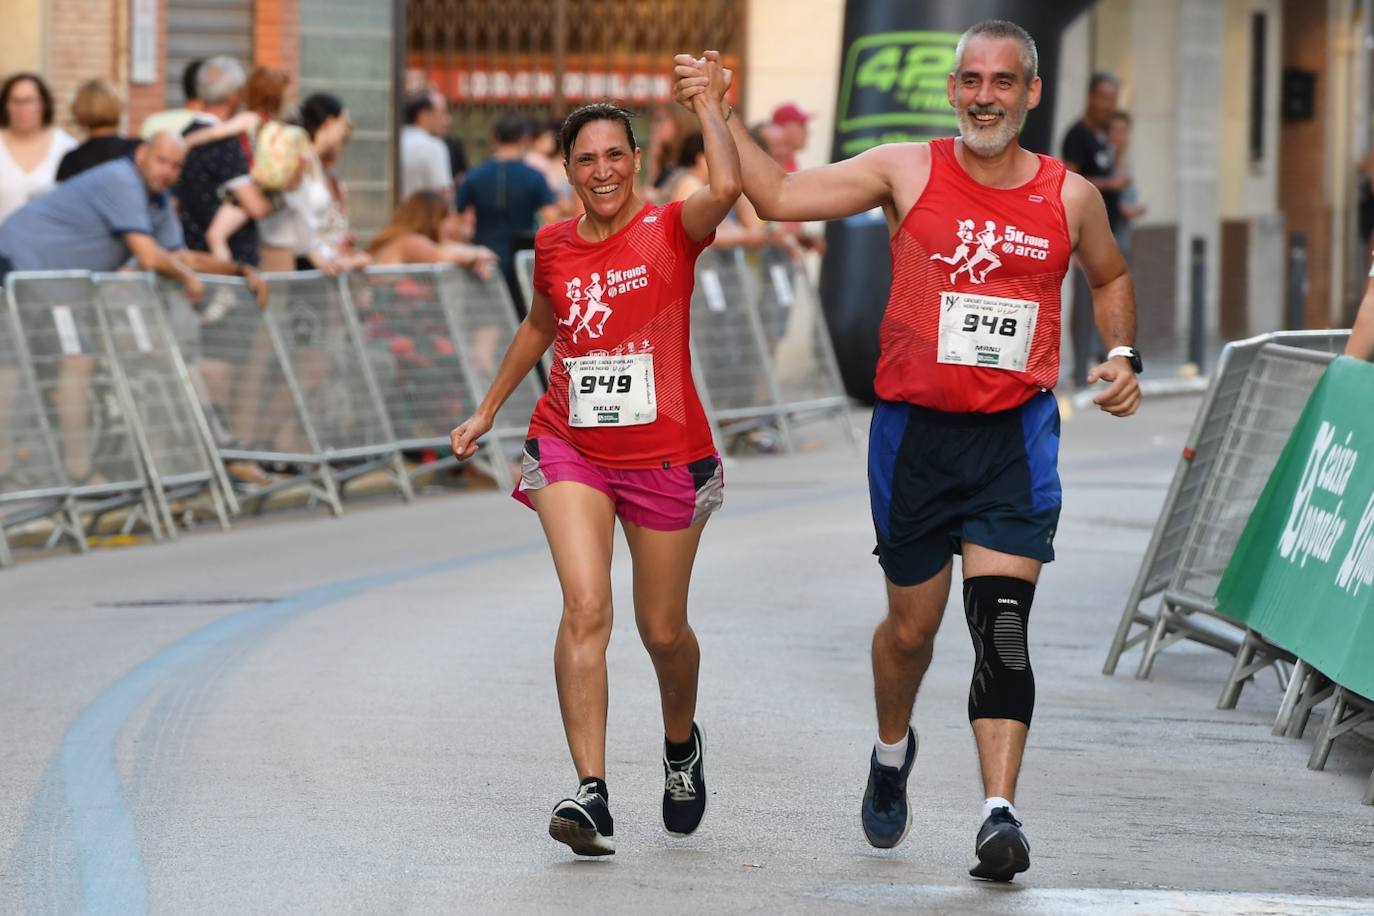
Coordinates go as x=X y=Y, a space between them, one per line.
x=667 y=499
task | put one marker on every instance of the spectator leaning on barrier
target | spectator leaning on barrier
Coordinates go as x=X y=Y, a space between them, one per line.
x=30 y=147
x=176 y=120
x=424 y=231
x=97 y=221
x=507 y=198
x=425 y=163
x=101 y=218
x=97 y=108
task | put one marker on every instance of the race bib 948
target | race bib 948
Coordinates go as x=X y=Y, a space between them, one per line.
x=986 y=331
x=611 y=390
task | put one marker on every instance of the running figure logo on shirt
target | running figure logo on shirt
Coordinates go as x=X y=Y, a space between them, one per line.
x=984 y=260
x=585 y=303
x=985 y=255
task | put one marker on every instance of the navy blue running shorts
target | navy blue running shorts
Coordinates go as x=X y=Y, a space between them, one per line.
x=937 y=479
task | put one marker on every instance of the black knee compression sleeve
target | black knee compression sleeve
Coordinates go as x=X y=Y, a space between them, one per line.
x=997 y=608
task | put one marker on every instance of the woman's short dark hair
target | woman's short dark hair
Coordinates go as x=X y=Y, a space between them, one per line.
x=319 y=108
x=43 y=94
x=599 y=111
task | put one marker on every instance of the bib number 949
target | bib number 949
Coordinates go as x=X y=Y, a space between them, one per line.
x=609 y=384
x=611 y=390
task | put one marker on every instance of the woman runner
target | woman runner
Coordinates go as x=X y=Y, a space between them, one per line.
x=620 y=433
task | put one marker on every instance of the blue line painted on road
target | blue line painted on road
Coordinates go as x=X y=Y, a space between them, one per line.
x=112 y=876
x=113 y=880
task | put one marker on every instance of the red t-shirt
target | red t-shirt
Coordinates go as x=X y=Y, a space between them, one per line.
x=640 y=280
x=964 y=237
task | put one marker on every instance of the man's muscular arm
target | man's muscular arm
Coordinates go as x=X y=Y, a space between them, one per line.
x=1113 y=294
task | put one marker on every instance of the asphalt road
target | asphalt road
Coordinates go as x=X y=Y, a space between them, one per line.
x=357 y=715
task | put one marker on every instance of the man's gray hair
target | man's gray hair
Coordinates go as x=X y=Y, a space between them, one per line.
x=1001 y=28
x=219 y=78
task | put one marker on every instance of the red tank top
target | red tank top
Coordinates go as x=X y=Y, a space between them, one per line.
x=637 y=286
x=964 y=237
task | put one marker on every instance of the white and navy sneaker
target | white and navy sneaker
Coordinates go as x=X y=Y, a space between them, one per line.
x=584 y=822
x=886 y=814
x=1001 y=847
x=684 y=788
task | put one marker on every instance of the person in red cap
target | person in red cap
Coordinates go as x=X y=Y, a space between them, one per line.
x=791 y=122
x=789 y=126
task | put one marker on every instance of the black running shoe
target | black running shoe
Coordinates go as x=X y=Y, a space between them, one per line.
x=1001 y=847
x=684 y=788
x=584 y=823
x=886 y=814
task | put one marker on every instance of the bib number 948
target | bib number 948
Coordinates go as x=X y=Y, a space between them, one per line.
x=1003 y=327
x=986 y=331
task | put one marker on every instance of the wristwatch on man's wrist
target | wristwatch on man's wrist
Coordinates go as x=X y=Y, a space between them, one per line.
x=1132 y=354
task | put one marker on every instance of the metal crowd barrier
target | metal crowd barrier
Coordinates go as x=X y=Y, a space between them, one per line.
x=731 y=349
x=120 y=380
x=1277 y=386
x=250 y=398
x=1191 y=475
x=524 y=278
x=485 y=318
x=170 y=426
x=320 y=345
x=802 y=354
x=417 y=344
x=63 y=346
x=33 y=483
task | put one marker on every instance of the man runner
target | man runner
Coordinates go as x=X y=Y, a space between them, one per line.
x=964 y=441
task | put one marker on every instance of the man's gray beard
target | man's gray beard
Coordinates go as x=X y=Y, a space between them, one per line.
x=979 y=142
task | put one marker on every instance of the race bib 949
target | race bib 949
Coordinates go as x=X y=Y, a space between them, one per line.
x=986 y=331
x=611 y=390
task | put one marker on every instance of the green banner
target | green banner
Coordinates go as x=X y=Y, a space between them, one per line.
x=1302 y=575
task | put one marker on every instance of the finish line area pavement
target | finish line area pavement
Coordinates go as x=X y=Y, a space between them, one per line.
x=357 y=715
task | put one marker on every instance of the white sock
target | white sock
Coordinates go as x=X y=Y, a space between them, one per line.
x=892 y=755
x=998 y=801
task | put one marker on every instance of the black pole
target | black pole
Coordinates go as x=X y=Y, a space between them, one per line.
x=1197 y=305
x=895 y=59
